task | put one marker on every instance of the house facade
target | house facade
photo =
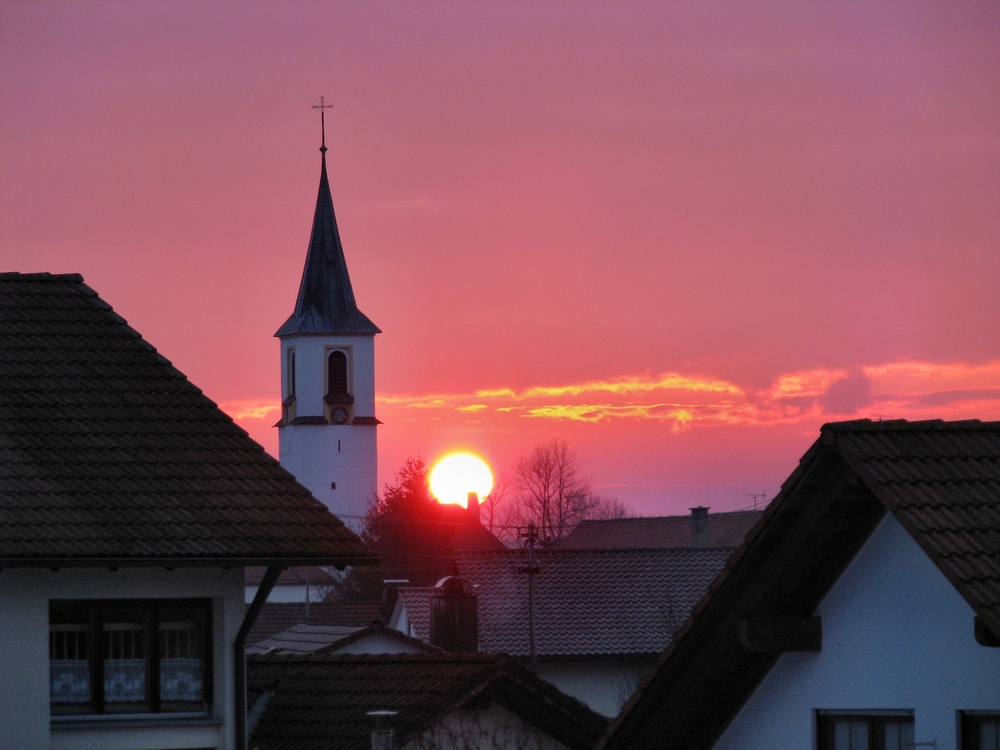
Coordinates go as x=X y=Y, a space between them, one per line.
x=898 y=648
x=129 y=507
x=862 y=612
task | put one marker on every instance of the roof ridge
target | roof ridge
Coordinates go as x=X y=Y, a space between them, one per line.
x=897 y=425
x=439 y=656
x=41 y=276
x=682 y=516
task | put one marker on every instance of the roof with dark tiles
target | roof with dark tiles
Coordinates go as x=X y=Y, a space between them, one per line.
x=417 y=601
x=277 y=617
x=108 y=454
x=310 y=639
x=724 y=530
x=940 y=480
x=320 y=702
x=587 y=602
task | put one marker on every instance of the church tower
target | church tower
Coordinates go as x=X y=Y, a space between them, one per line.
x=327 y=430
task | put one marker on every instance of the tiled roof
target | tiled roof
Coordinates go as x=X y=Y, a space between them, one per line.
x=321 y=702
x=276 y=617
x=253 y=575
x=311 y=639
x=724 y=530
x=941 y=481
x=302 y=639
x=587 y=602
x=109 y=454
x=468 y=533
x=417 y=600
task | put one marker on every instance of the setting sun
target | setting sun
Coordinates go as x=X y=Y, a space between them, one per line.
x=455 y=476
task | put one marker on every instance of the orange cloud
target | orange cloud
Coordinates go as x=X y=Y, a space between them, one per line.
x=913 y=390
x=250 y=409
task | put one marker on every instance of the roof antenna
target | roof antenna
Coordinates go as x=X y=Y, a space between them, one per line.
x=322 y=119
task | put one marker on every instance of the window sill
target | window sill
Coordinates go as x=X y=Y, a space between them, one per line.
x=106 y=721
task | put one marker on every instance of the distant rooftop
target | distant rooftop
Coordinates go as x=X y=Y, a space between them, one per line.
x=276 y=617
x=312 y=639
x=620 y=602
x=724 y=530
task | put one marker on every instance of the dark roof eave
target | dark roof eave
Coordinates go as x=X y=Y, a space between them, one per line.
x=187 y=562
x=299 y=325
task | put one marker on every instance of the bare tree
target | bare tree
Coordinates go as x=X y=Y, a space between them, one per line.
x=606 y=508
x=492 y=508
x=551 y=491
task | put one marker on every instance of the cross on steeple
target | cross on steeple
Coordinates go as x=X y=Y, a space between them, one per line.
x=322 y=118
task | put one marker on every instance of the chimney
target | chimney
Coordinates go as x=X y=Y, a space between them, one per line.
x=454 y=616
x=382 y=734
x=473 y=507
x=699 y=526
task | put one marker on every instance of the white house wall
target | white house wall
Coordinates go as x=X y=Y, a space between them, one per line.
x=603 y=684
x=24 y=659
x=896 y=635
x=378 y=643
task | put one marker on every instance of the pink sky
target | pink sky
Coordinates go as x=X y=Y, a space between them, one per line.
x=680 y=236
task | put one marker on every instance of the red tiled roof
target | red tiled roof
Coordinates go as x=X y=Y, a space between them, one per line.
x=320 y=702
x=724 y=530
x=108 y=454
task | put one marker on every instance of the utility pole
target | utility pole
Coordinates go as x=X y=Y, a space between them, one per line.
x=307 y=593
x=532 y=570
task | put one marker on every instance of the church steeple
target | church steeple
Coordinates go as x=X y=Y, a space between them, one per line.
x=328 y=430
x=326 y=300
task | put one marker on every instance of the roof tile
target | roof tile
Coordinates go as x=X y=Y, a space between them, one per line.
x=109 y=453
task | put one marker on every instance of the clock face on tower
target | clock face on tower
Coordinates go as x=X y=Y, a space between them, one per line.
x=339 y=415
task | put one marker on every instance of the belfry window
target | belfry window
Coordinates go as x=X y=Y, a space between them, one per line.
x=337 y=373
x=291 y=372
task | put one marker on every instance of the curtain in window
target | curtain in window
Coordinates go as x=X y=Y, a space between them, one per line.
x=180 y=662
x=124 y=663
x=69 y=664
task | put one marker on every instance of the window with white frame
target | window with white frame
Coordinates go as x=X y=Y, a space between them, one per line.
x=845 y=730
x=129 y=656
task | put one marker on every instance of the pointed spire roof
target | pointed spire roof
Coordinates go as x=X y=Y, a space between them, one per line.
x=326 y=300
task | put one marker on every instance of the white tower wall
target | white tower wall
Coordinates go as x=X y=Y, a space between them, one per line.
x=319 y=453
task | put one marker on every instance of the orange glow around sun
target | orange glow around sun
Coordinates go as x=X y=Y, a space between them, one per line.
x=456 y=475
